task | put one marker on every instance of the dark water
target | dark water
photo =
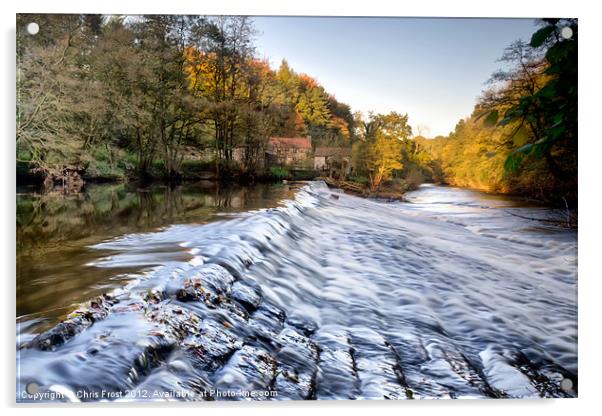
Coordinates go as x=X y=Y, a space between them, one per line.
x=326 y=296
x=55 y=264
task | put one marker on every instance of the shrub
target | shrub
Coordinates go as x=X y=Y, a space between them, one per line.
x=279 y=172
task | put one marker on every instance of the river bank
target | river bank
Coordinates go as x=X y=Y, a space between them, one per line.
x=74 y=179
x=388 y=191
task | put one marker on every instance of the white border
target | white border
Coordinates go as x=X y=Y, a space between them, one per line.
x=590 y=168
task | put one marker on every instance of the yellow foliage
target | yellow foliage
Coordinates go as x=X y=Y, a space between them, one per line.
x=383 y=158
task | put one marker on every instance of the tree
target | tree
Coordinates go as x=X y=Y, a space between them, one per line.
x=174 y=111
x=53 y=71
x=131 y=93
x=538 y=97
x=379 y=149
x=382 y=159
x=220 y=69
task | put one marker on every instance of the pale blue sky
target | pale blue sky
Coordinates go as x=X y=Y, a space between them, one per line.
x=433 y=69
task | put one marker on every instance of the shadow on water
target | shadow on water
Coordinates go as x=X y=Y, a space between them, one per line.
x=55 y=230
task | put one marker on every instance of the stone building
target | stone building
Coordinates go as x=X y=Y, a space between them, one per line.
x=293 y=152
x=335 y=161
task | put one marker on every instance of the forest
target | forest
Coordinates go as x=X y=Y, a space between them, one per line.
x=521 y=137
x=113 y=97
x=103 y=98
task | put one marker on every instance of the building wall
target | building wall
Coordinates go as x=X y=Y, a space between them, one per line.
x=291 y=156
x=319 y=162
x=334 y=164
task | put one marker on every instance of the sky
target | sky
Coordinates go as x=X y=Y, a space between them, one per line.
x=432 y=69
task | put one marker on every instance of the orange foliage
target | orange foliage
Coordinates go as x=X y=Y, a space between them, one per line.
x=341 y=125
x=308 y=82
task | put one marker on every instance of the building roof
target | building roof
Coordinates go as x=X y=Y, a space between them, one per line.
x=291 y=142
x=332 y=151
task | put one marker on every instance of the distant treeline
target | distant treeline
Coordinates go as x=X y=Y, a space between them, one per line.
x=111 y=96
x=522 y=135
x=104 y=96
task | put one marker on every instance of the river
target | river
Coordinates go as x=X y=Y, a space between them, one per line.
x=293 y=292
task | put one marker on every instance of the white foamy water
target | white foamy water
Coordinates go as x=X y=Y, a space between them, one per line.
x=332 y=297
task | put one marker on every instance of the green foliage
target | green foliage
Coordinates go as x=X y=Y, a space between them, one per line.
x=492 y=118
x=279 y=172
x=522 y=136
x=550 y=111
x=542 y=35
x=151 y=87
x=384 y=148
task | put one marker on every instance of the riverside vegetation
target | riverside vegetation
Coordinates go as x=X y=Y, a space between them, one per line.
x=133 y=98
x=218 y=290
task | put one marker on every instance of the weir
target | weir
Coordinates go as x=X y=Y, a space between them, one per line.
x=447 y=295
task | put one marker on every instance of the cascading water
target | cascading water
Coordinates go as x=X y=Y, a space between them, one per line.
x=328 y=296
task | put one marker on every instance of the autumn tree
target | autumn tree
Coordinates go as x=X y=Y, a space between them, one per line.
x=53 y=124
x=382 y=159
x=378 y=152
x=225 y=53
x=110 y=96
x=536 y=95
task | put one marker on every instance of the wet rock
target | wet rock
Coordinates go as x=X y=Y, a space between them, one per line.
x=246 y=295
x=191 y=292
x=153 y=355
x=448 y=372
x=297 y=365
x=99 y=308
x=303 y=323
x=193 y=384
x=234 y=311
x=175 y=322
x=59 y=334
x=209 y=282
x=546 y=378
x=505 y=377
x=267 y=321
x=131 y=305
x=212 y=347
x=110 y=356
x=336 y=376
x=75 y=323
x=291 y=385
x=159 y=387
x=412 y=356
x=376 y=366
x=154 y=295
x=249 y=374
x=217 y=279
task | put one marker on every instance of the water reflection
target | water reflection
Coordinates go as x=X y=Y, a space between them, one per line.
x=54 y=232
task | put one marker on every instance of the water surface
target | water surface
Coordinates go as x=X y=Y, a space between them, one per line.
x=55 y=232
x=326 y=296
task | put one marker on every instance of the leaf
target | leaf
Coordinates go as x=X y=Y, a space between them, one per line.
x=506 y=120
x=516 y=158
x=549 y=90
x=491 y=118
x=541 y=35
x=513 y=161
x=557 y=131
x=511 y=115
x=521 y=136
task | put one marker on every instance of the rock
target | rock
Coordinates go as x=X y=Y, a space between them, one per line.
x=75 y=323
x=212 y=346
x=250 y=371
x=246 y=295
